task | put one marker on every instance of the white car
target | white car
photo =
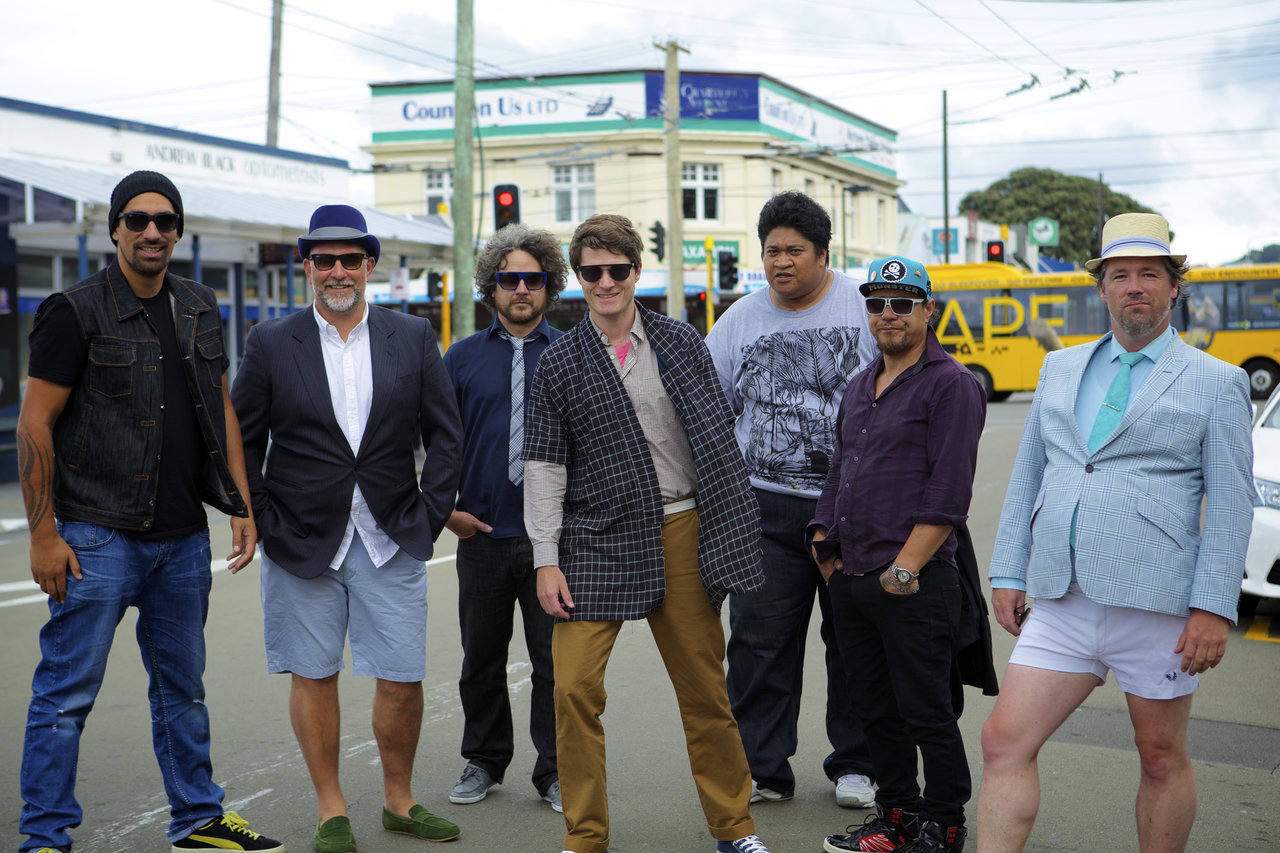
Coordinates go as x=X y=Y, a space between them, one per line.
x=1262 y=563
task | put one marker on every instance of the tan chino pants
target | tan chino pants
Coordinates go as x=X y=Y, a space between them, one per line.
x=691 y=642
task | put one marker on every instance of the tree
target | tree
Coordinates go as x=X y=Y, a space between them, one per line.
x=1070 y=199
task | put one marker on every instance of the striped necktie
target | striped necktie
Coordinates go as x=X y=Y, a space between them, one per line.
x=515 y=446
x=1111 y=412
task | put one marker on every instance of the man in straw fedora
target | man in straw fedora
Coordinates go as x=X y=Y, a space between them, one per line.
x=1102 y=527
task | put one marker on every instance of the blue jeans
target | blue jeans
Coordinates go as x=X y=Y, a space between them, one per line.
x=168 y=581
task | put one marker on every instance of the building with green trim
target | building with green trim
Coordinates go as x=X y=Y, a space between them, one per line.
x=577 y=144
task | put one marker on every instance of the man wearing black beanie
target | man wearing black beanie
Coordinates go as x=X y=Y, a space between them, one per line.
x=126 y=430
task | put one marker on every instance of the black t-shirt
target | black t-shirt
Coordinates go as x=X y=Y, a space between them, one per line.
x=59 y=354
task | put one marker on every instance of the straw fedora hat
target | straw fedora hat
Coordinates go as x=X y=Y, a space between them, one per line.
x=1135 y=235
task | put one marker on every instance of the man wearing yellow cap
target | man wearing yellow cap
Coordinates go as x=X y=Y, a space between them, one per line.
x=1102 y=527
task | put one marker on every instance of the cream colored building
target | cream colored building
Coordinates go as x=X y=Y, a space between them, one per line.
x=575 y=145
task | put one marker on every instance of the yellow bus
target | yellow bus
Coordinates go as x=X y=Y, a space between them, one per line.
x=1000 y=321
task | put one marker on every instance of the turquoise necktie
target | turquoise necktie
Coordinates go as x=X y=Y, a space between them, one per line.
x=1110 y=413
x=1113 y=405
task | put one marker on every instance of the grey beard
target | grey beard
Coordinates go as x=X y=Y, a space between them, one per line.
x=336 y=305
x=1140 y=330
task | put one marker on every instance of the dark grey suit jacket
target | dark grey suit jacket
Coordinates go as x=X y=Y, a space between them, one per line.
x=303 y=501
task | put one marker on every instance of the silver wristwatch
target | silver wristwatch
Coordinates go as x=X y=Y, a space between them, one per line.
x=901 y=575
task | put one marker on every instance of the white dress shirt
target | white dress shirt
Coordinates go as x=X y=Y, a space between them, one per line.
x=349 y=368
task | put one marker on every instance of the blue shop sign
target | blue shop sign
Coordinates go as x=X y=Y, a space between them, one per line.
x=707 y=96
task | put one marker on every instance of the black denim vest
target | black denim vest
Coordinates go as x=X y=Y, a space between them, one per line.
x=107 y=440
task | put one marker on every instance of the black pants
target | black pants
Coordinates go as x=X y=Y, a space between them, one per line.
x=493 y=576
x=902 y=686
x=766 y=654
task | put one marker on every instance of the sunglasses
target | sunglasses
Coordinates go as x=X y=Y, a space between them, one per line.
x=591 y=273
x=511 y=280
x=137 y=221
x=900 y=305
x=350 y=260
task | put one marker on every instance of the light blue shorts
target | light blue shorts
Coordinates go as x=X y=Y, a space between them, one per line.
x=306 y=620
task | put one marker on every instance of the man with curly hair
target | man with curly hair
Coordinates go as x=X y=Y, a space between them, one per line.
x=638 y=507
x=519 y=273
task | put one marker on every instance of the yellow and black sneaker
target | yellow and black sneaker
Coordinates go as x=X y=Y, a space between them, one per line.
x=229 y=832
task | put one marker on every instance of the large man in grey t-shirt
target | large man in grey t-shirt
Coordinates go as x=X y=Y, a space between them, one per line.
x=784 y=355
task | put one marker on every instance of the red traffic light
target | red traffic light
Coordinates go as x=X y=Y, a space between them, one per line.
x=505 y=198
x=995 y=251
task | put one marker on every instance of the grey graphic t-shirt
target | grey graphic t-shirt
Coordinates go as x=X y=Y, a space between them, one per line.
x=784 y=373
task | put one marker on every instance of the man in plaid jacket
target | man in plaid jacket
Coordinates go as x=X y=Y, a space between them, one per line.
x=638 y=507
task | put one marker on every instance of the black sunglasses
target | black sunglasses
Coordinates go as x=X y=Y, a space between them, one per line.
x=350 y=260
x=137 y=221
x=591 y=273
x=900 y=305
x=511 y=280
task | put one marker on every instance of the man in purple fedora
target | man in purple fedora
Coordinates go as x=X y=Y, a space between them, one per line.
x=343 y=392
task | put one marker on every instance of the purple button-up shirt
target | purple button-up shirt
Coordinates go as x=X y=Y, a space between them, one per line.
x=905 y=458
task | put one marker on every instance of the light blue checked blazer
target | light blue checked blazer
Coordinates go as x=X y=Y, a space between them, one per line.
x=1139 y=540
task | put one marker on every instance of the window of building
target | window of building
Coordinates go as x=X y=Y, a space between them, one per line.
x=882 y=223
x=575 y=191
x=810 y=187
x=439 y=189
x=700 y=183
x=775 y=180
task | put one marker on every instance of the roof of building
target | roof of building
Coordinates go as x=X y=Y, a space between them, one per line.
x=171 y=133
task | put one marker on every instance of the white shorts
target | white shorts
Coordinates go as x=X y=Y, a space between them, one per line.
x=1074 y=634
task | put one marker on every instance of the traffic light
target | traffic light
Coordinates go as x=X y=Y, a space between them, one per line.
x=728 y=270
x=995 y=251
x=434 y=288
x=658 y=234
x=506 y=206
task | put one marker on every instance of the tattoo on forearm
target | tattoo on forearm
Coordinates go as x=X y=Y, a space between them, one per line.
x=35 y=471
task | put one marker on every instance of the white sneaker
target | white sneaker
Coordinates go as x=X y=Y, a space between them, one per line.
x=855 y=791
x=766 y=795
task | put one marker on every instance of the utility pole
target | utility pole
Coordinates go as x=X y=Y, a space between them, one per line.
x=273 y=76
x=1102 y=215
x=464 y=191
x=946 y=187
x=671 y=152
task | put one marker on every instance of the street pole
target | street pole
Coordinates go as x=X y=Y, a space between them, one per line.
x=946 y=187
x=273 y=76
x=844 y=228
x=446 y=337
x=464 y=191
x=1102 y=215
x=709 y=246
x=671 y=152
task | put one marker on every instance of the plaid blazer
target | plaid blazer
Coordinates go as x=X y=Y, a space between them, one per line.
x=1139 y=539
x=580 y=416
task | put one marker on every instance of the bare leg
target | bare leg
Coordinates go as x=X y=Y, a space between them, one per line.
x=314 y=711
x=1166 y=806
x=397 y=722
x=1032 y=704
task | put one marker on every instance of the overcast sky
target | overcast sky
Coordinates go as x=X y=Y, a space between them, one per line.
x=1182 y=108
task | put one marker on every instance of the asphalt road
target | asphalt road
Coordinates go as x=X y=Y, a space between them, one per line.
x=1089 y=771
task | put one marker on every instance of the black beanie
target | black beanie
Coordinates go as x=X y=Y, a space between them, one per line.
x=135 y=185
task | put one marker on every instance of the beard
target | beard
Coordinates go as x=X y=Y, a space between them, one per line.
x=339 y=304
x=146 y=266
x=896 y=341
x=520 y=313
x=1139 y=328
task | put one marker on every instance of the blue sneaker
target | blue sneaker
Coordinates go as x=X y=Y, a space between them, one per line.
x=750 y=844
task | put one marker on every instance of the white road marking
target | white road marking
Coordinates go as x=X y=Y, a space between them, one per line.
x=8 y=525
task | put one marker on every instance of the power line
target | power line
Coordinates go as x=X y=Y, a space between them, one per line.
x=1003 y=59
x=1015 y=31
